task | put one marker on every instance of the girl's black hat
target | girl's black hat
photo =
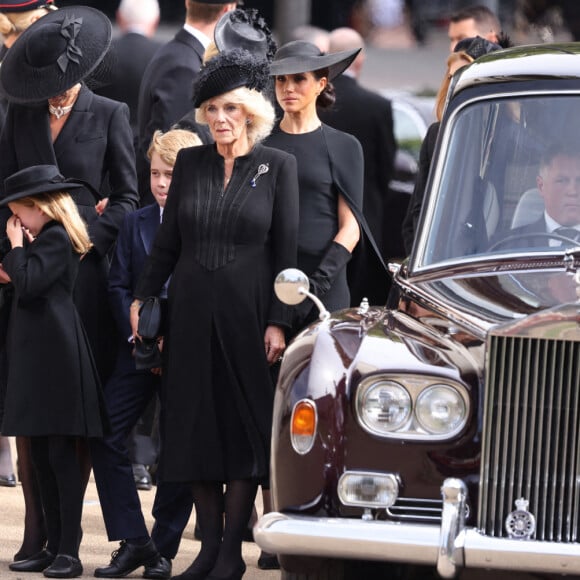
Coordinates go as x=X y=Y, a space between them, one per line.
x=34 y=181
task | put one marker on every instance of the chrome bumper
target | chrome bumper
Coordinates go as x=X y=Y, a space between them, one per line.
x=449 y=548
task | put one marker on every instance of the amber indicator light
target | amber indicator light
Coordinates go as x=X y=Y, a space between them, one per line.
x=304 y=419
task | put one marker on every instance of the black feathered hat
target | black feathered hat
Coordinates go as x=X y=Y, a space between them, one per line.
x=55 y=53
x=244 y=29
x=299 y=56
x=36 y=180
x=227 y=71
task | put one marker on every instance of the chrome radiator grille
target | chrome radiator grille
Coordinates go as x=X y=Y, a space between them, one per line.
x=531 y=436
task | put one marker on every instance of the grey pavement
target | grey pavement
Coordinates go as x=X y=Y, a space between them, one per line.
x=95 y=550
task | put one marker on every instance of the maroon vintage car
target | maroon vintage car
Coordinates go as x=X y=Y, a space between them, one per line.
x=444 y=429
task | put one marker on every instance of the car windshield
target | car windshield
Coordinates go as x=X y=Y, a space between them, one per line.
x=507 y=180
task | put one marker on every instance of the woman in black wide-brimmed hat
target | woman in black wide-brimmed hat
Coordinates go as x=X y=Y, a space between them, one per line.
x=15 y=17
x=330 y=171
x=54 y=118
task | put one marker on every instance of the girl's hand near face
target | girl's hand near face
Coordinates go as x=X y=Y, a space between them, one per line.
x=14 y=232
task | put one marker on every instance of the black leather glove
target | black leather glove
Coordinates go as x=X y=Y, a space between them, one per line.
x=321 y=280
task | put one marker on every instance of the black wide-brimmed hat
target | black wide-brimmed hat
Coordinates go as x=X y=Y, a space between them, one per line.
x=244 y=29
x=24 y=5
x=55 y=53
x=227 y=71
x=299 y=56
x=34 y=181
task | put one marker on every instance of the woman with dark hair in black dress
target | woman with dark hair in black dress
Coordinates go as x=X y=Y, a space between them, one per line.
x=330 y=171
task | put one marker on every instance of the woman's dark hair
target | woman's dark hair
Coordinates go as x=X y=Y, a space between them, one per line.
x=327 y=97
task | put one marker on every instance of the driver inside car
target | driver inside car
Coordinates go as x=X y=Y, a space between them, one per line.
x=558 y=183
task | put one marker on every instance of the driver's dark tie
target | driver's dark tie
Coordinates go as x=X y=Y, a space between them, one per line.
x=570 y=233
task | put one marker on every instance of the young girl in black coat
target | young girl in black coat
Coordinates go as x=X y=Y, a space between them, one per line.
x=52 y=391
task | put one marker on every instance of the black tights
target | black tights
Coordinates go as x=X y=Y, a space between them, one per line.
x=61 y=489
x=223 y=519
x=34 y=526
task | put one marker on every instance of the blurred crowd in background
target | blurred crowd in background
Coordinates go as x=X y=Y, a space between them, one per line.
x=403 y=21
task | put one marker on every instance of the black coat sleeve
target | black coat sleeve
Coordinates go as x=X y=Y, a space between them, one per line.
x=119 y=164
x=284 y=233
x=38 y=267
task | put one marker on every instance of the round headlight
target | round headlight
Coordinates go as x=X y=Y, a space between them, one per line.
x=384 y=406
x=440 y=409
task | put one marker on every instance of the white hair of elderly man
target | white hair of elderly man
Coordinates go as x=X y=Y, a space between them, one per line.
x=138 y=16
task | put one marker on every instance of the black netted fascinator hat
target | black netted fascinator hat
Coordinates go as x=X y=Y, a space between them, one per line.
x=55 y=53
x=476 y=46
x=244 y=29
x=227 y=71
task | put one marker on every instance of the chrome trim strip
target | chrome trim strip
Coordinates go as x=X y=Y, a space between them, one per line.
x=416 y=544
x=526 y=556
x=450 y=555
x=347 y=538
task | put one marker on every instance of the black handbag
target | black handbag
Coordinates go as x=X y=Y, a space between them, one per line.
x=152 y=317
x=150 y=328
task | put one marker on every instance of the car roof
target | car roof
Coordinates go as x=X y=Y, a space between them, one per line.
x=558 y=61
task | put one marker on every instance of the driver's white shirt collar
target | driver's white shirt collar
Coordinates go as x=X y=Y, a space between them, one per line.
x=552 y=224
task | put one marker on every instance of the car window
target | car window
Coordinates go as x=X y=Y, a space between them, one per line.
x=485 y=192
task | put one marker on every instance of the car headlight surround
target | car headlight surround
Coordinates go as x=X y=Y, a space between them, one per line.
x=434 y=408
x=384 y=406
x=440 y=409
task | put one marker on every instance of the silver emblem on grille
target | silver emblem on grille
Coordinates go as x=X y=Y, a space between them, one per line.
x=520 y=524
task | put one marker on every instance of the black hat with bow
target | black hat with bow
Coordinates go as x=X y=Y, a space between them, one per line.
x=55 y=53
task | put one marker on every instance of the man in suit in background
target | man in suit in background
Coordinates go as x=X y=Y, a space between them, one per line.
x=166 y=88
x=137 y=20
x=473 y=21
x=369 y=117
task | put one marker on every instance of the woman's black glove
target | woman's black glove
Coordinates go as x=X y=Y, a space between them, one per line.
x=321 y=280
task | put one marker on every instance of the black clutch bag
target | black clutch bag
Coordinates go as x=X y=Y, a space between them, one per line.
x=152 y=317
x=150 y=328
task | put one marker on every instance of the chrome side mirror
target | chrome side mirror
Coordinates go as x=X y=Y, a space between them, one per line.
x=292 y=287
x=288 y=284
